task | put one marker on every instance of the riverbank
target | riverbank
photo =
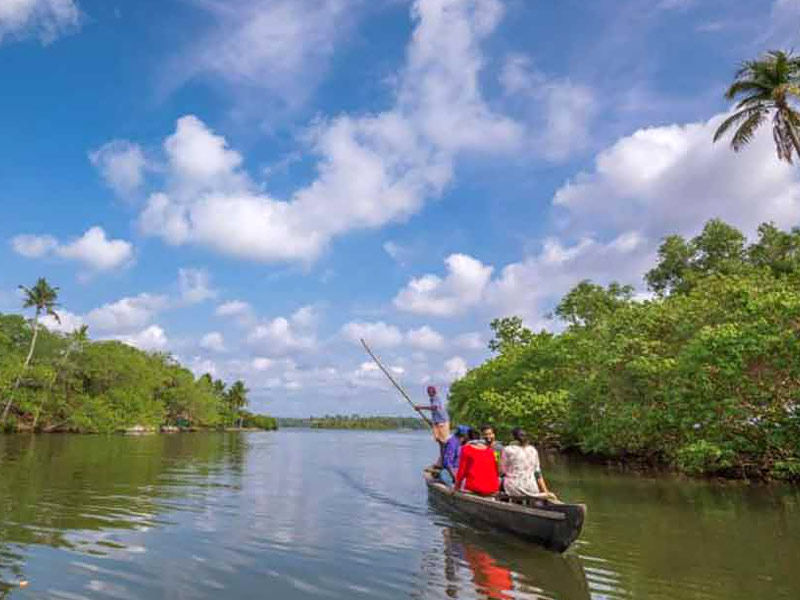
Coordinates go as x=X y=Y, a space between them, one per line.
x=55 y=382
x=703 y=377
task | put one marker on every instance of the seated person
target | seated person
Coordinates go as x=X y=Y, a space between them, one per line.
x=521 y=468
x=451 y=454
x=488 y=435
x=477 y=469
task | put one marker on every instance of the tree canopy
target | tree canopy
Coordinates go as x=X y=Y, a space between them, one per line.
x=68 y=382
x=704 y=376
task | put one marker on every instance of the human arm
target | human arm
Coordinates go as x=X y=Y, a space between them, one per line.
x=537 y=473
x=423 y=407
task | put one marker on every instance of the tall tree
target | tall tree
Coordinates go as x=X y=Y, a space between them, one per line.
x=77 y=339
x=509 y=333
x=41 y=297
x=237 y=398
x=764 y=87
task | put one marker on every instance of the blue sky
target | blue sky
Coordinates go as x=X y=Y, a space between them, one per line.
x=254 y=184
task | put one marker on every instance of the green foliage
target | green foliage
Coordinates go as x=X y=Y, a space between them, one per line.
x=718 y=249
x=73 y=384
x=509 y=333
x=259 y=421
x=705 y=377
x=588 y=303
x=767 y=88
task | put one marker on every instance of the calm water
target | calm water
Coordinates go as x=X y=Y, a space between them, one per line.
x=310 y=514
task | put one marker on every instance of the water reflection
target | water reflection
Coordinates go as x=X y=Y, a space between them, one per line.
x=484 y=564
x=79 y=493
x=309 y=514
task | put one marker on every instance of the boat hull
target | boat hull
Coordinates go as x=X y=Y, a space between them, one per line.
x=553 y=526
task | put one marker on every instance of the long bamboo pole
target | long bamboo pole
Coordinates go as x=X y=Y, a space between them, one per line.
x=395 y=384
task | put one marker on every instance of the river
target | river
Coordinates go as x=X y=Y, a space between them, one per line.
x=344 y=514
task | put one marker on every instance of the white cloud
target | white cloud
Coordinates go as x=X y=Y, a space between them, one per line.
x=234 y=308
x=280 y=336
x=96 y=251
x=93 y=249
x=69 y=321
x=561 y=110
x=152 y=338
x=121 y=164
x=195 y=285
x=200 y=159
x=397 y=252
x=526 y=288
x=305 y=317
x=471 y=341
x=200 y=366
x=280 y=47
x=378 y=334
x=372 y=170
x=46 y=20
x=530 y=287
x=425 y=338
x=33 y=246
x=261 y=363
x=671 y=179
x=126 y=314
x=213 y=341
x=461 y=289
x=455 y=368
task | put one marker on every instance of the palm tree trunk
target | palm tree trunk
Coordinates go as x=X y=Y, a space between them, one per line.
x=24 y=366
x=52 y=383
x=795 y=140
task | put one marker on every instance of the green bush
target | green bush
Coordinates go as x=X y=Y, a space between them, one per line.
x=704 y=376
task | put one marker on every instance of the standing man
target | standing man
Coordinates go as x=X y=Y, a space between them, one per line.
x=439 y=418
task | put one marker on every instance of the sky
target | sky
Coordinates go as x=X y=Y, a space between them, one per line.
x=254 y=185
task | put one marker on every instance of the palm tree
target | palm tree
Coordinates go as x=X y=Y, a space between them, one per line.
x=42 y=297
x=237 y=398
x=767 y=86
x=76 y=339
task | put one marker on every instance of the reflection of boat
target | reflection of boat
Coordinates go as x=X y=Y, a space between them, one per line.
x=554 y=526
x=503 y=567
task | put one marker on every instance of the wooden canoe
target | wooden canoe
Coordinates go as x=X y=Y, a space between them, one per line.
x=552 y=525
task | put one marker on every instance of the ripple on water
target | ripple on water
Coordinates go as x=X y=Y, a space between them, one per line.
x=344 y=515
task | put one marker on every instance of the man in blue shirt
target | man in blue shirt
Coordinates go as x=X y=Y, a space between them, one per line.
x=451 y=454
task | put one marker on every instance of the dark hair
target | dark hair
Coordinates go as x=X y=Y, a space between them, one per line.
x=473 y=434
x=486 y=426
x=519 y=434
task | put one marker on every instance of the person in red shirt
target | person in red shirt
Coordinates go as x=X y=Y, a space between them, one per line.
x=477 y=469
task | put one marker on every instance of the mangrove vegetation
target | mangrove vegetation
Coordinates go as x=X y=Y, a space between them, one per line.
x=50 y=381
x=702 y=375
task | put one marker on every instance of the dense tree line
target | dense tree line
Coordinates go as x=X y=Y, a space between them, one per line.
x=355 y=422
x=703 y=376
x=55 y=382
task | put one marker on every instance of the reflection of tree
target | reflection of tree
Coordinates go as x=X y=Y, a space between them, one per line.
x=64 y=491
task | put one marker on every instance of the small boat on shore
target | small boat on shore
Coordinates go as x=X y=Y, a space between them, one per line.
x=553 y=525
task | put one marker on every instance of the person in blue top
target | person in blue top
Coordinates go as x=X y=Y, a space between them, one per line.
x=439 y=418
x=451 y=454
